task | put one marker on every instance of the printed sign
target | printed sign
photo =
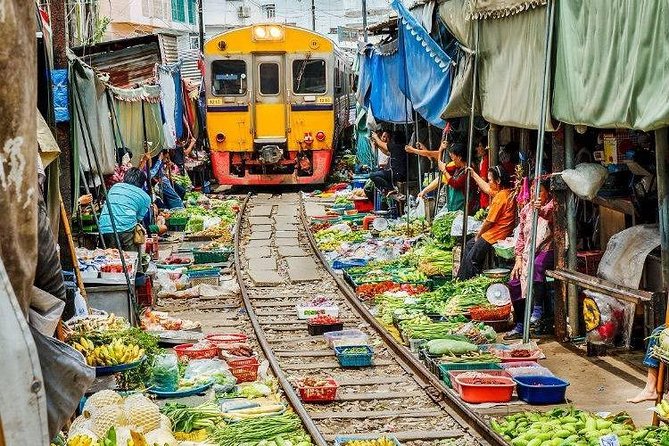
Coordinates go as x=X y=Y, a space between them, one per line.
x=324 y=100
x=215 y=101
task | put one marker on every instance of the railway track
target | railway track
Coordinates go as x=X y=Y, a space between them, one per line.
x=278 y=266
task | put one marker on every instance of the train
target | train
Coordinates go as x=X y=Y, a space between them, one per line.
x=279 y=99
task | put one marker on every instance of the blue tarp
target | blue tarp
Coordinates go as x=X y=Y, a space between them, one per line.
x=415 y=75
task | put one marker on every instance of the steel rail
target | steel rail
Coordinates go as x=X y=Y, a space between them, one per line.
x=287 y=387
x=466 y=417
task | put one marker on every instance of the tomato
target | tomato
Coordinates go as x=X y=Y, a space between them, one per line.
x=607 y=330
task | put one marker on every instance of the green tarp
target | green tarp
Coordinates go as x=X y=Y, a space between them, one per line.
x=510 y=71
x=612 y=63
x=484 y=9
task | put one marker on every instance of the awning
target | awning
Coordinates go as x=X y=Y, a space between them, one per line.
x=48 y=147
x=413 y=73
x=611 y=67
x=510 y=71
x=487 y=9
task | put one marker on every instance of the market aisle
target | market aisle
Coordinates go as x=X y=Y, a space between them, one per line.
x=598 y=384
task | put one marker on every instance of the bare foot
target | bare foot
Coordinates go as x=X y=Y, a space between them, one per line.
x=644 y=395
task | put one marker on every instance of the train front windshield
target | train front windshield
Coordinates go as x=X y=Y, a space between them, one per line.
x=309 y=76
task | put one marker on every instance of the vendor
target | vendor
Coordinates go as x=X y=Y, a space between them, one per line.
x=543 y=259
x=129 y=204
x=483 y=169
x=649 y=392
x=422 y=150
x=172 y=195
x=385 y=178
x=497 y=226
x=454 y=176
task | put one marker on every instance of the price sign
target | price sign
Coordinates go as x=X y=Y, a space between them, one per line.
x=609 y=440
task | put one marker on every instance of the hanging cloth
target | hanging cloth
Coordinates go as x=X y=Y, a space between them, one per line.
x=169 y=79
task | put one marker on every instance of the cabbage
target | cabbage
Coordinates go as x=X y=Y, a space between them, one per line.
x=450 y=347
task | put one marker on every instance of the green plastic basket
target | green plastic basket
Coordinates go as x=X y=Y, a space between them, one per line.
x=177 y=223
x=211 y=256
x=355 y=218
x=445 y=367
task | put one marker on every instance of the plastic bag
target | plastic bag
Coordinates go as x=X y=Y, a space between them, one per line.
x=45 y=311
x=215 y=369
x=165 y=373
x=80 y=308
x=585 y=179
x=607 y=320
x=473 y=225
x=417 y=209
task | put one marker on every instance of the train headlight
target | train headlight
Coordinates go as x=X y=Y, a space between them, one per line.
x=260 y=32
x=308 y=139
x=320 y=136
x=220 y=138
x=267 y=32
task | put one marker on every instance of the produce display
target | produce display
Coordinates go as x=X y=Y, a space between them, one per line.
x=441 y=230
x=370 y=290
x=323 y=319
x=265 y=431
x=110 y=419
x=381 y=441
x=568 y=426
x=114 y=353
x=151 y=320
x=434 y=261
x=187 y=419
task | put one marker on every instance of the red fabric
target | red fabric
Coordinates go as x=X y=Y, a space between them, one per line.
x=484 y=167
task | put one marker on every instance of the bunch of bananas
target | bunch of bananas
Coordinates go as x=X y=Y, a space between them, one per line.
x=110 y=354
x=81 y=440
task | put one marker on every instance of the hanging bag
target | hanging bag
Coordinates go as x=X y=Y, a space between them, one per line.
x=139 y=237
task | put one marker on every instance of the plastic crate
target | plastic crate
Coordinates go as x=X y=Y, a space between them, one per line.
x=321 y=394
x=189 y=351
x=343 y=440
x=541 y=389
x=348 y=263
x=230 y=338
x=211 y=256
x=240 y=361
x=355 y=218
x=245 y=374
x=455 y=373
x=339 y=336
x=319 y=329
x=177 y=223
x=205 y=272
x=485 y=390
x=354 y=359
x=431 y=363
x=445 y=367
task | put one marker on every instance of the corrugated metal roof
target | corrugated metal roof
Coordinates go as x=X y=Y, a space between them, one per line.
x=127 y=61
x=169 y=45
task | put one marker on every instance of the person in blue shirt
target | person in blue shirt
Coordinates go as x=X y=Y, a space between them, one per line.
x=129 y=204
x=170 y=198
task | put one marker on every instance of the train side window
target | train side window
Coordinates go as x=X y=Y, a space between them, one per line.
x=269 y=78
x=229 y=77
x=309 y=76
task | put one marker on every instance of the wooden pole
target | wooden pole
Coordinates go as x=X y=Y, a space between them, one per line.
x=70 y=244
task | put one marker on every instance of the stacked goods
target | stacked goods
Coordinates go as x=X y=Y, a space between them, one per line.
x=332 y=238
x=266 y=431
x=441 y=230
x=464 y=295
x=187 y=419
x=160 y=321
x=434 y=261
x=370 y=290
x=361 y=441
x=126 y=421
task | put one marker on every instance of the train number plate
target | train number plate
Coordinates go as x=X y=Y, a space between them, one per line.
x=324 y=100
x=215 y=101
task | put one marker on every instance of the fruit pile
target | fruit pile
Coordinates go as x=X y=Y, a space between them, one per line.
x=115 y=353
x=323 y=319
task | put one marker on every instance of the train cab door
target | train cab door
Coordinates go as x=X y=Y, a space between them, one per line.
x=269 y=98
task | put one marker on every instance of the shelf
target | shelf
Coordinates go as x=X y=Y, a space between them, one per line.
x=602 y=286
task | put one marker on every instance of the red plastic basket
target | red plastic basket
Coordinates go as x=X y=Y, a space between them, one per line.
x=486 y=390
x=202 y=351
x=245 y=374
x=490 y=313
x=321 y=394
x=231 y=338
x=240 y=361
x=494 y=373
x=363 y=205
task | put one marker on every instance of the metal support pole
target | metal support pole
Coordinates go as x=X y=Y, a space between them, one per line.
x=365 y=37
x=313 y=15
x=200 y=24
x=493 y=144
x=470 y=142
x=548 y=49
x=662 y=161
x=572 y=291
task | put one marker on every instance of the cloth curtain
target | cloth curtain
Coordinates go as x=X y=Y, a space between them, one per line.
x=454 y=15
x=171 y=98
x=611 y=65
x=479 y=9
x=131 y=122
x=364 y=151
x=92 y=113
x=386 y=75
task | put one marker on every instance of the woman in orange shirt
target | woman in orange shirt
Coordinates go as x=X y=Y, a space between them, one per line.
x=497 y=226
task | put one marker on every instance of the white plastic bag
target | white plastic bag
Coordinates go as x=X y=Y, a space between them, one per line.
x=586 y=179
x=473 y=225
x=45 y=311
x=80 y=308
x=417 y=210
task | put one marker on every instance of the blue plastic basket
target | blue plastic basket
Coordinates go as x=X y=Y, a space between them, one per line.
x=541 y=389
x=341 y=440
x=354 y=360
x=348 y=263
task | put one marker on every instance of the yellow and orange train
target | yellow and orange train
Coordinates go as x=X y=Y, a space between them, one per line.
x=278 y=100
